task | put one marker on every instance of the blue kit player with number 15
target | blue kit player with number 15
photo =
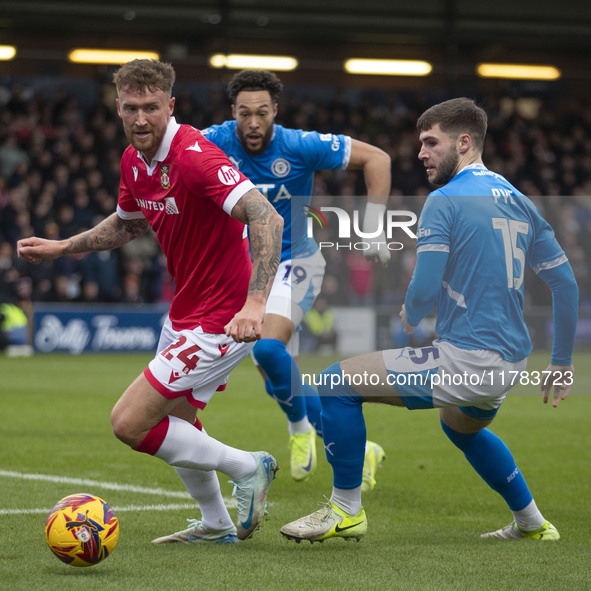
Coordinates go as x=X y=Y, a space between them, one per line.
x=282 y=162
x=477 y=235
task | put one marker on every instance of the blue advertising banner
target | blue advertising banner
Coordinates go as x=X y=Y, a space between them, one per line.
x=83 y=328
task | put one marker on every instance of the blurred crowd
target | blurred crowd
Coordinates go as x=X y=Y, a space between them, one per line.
x=59 y=175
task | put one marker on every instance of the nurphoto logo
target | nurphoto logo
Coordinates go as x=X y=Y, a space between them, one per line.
x=348 y=228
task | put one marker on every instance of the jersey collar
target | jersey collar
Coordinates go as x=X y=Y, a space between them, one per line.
x=476 y=166
x=165 y=144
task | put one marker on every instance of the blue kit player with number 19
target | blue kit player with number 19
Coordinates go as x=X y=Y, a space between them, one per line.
x=477 y=235
x=282 y=162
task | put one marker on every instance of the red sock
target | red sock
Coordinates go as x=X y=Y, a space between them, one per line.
x=153 y=440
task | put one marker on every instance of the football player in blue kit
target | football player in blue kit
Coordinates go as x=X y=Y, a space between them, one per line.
x=282 y=162
x=477 y=235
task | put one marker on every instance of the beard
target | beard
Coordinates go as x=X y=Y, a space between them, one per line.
x=148 y=144
x=447 y=169
x=265 y=141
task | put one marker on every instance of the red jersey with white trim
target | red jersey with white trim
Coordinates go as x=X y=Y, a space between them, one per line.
x=187 y=193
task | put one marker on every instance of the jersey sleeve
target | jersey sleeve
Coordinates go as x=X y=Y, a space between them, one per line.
x=325 y=151
x=214 y=134
x=209 y=174
x=433 y=243
x=435 y=224
x=565 y=305
x=223 y=136
x=424 y=285
x=545 y=252
x=127 y=208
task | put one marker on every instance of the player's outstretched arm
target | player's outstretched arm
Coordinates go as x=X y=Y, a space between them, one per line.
x=565 y=302
x=377 y=166
x=110 y=233
x=266 y=230
x=377 y=170
x=559 y=377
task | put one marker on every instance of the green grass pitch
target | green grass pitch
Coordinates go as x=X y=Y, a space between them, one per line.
x=425 y=515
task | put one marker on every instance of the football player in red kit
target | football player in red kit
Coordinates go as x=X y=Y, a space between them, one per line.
x=183 y=187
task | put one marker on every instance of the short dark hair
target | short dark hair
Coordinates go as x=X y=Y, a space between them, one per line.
x=252 y=80
x=139 y=75
x=456 y=116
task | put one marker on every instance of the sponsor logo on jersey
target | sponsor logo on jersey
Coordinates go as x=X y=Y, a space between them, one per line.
x=235 y=162
x=164 y=176
x=171 y=207
x=329 y=137
x=135 y=172
x=280 y=167
x=334 y=139
x=228 y=175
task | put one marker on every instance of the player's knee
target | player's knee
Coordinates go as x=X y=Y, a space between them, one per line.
x=327 y=379
x=333 y=382
x=460 y=440
x=124 y=429
x=267 y=351
x=462 y=422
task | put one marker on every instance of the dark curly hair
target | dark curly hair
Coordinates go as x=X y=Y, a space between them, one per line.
x=252 y=80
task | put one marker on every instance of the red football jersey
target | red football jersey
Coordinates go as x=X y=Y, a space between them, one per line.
x=187 y=193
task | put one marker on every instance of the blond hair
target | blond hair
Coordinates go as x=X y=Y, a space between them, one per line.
x=142 y=75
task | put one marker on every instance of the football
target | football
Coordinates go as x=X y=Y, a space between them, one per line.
x=82 y=530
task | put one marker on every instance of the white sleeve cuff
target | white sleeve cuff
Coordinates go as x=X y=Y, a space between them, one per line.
x=236 y=194
x=129 y=215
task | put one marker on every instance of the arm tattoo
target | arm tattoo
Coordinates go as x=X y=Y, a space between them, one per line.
x=110 y=233
x=266 y=230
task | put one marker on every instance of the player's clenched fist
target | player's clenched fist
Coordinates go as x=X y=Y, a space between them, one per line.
x=246 y=325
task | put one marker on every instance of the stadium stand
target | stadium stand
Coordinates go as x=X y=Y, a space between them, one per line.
x=59 y=173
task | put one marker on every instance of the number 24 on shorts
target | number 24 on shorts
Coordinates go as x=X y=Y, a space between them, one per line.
x=185 y=355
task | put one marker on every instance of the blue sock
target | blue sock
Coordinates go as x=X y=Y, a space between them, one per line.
x=285 y=381
x=343 y=428
x=491 y=458
x=312 y=407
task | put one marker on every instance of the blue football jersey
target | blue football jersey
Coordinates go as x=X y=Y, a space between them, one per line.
x=492 y=233
x=285 y=171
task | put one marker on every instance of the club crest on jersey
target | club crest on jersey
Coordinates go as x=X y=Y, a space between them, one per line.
x=280 y=167
x=164 y=176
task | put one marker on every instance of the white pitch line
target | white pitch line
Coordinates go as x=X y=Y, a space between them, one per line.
x=230 y=502
x=96 y=483
x=44 y=511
